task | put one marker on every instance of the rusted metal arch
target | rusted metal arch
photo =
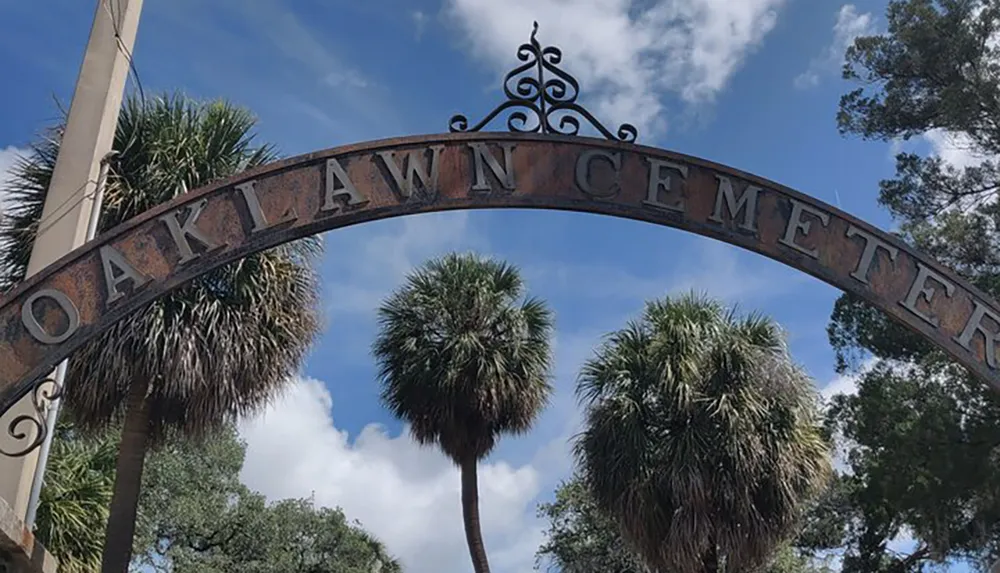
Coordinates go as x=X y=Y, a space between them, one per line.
x=165 y=247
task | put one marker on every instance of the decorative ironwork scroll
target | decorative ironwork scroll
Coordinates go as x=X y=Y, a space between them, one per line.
x=550 y=101
x=43 y=390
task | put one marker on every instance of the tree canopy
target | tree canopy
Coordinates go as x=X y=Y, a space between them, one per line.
x=701 y=437
x=194 y=514
x=582 y=539
x=922 y=436
x=216 y=349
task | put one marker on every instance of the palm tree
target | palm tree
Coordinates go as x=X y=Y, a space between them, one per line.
x=73 y=507
x=701 y=437
x=214 y=350
x=464 y=358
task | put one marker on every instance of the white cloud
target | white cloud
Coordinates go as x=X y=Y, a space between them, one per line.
x=346 y=78
x=714 y=267
x=420 y=20
x=956 y=149
x=847 y=383
x=295 y=68
x=627 y=53
x=850 y=24
x=379 y=256
x=406 y=494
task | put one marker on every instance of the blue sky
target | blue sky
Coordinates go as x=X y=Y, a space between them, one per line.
x=752 y=84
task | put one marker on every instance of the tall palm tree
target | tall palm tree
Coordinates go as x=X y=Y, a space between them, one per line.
x=701 y=437
x=463 y=358
x=214 y=350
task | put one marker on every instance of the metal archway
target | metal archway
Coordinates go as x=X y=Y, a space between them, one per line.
x=48 y=316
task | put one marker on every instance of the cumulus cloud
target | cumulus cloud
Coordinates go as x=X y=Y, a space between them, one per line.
x=627 y=54
x=406 y=494
x=956 y=149
x=849 y=25
x=847 y=383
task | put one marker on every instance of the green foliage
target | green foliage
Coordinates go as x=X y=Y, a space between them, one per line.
x=933 y=68
x=858 y=330
x=187 y=486
x=291 y=535
x=73 y=505
x=789 y=560
x=582 y=539
x=924 y=460
x=214 y=349
x=923 y=438
x=194 y=514
x=198 y=518
x=701 y=437
x=464 y=358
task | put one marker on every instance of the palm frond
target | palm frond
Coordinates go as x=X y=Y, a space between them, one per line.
x=225 y=344
x=701 y=435
x=463 y=356
x=74 y=502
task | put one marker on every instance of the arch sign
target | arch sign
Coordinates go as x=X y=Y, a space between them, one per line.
x=44 y=319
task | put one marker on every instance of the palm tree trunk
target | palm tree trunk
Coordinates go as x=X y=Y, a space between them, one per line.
x=710 y=562
x=470 y=514
x=128 y=479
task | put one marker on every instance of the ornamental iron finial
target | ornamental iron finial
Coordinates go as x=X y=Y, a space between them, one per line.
x=550 y=101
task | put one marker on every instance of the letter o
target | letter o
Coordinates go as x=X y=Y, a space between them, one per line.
x=35 y=328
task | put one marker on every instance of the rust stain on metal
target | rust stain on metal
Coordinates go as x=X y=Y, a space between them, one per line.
x=355 y=184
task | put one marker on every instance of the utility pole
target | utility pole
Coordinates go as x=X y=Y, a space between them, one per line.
x=89 y=135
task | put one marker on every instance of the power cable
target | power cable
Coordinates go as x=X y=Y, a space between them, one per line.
x=123 y=49
x=47 y=222
x=133 y=71
x=75 y=198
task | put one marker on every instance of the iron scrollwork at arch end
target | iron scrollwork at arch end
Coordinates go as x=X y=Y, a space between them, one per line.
x=549 y=101
x=44 y=390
